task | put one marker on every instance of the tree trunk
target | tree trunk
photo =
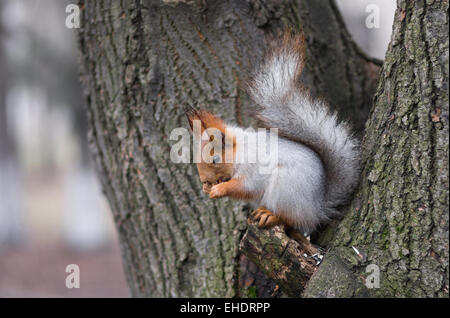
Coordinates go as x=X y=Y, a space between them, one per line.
x=399 y=217
x=141 y=62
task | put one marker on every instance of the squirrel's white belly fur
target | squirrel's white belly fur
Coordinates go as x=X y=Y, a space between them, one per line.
x=290 y=184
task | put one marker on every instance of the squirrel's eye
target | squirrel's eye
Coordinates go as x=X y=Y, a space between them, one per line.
x=216 y=159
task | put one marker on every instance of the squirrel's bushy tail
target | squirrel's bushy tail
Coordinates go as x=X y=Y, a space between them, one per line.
x=285 y=105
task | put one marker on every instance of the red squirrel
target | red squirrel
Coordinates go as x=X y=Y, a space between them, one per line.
x=317 y=167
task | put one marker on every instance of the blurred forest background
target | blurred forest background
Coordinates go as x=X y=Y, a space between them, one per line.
x=52 y=211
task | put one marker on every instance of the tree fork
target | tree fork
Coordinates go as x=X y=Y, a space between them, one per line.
x=141 y=61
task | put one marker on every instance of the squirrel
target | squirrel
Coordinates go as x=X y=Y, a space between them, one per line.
x=318 y=166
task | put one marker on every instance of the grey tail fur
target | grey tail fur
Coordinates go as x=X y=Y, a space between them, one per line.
x=285 y=105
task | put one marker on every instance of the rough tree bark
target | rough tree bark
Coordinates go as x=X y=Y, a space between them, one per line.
x=141 y=62
x=399 y=217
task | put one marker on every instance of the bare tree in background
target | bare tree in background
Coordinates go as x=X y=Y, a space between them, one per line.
x=11 y=230
x=142 y=61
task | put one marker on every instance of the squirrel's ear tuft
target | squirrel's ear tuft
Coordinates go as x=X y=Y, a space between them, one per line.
x=194 y=114
x=207 y=119
x=191 y=114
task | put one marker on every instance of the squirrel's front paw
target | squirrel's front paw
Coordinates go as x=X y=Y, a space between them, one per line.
x=206 y=187
x=217 y=191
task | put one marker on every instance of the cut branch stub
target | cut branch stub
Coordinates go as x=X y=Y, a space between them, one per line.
x=288 y=262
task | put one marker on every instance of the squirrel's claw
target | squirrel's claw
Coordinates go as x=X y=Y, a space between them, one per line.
x=266 y=218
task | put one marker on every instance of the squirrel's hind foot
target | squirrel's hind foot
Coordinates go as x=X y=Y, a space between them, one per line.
x=266 y=218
